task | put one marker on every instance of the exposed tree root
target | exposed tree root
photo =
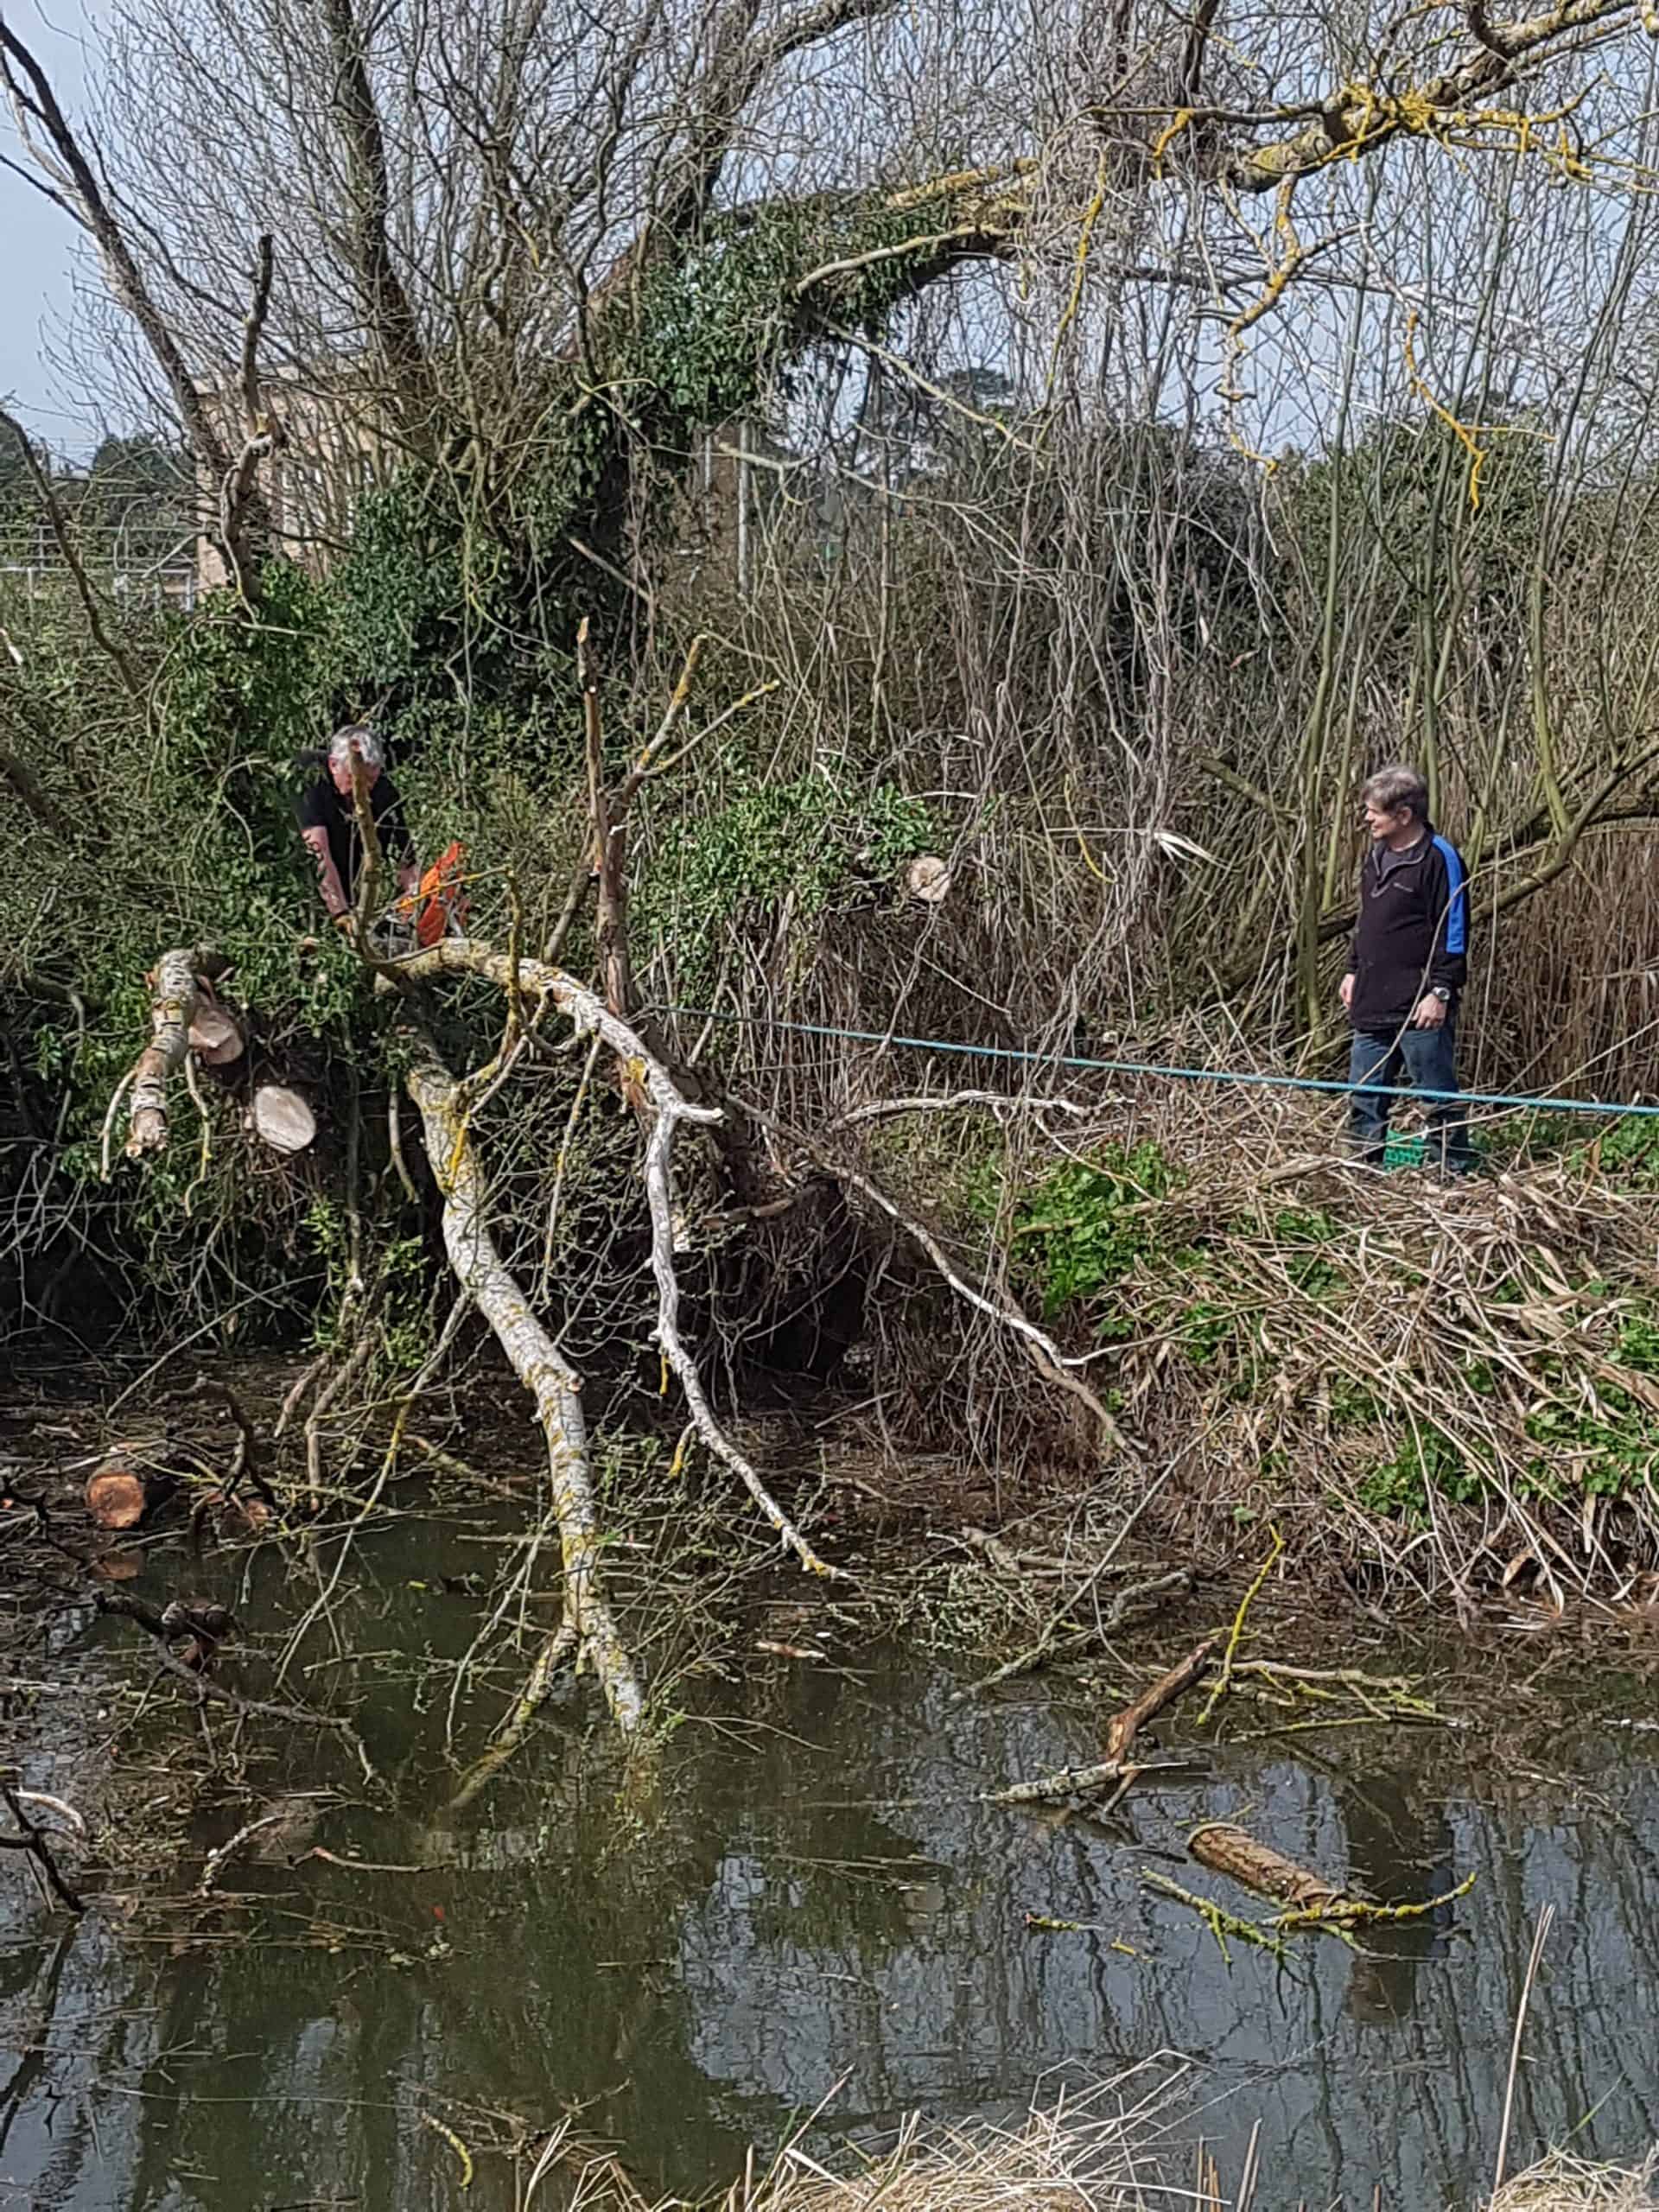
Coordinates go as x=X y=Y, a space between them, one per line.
x=1044 y=1353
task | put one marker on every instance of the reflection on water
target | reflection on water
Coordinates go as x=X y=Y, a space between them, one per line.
x=813 y=1906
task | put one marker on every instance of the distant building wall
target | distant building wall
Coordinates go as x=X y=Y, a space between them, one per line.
x=330 y=449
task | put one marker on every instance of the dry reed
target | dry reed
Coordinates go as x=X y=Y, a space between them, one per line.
x=1073 y=2157
x=1559 y=2184
x=1088 y=2155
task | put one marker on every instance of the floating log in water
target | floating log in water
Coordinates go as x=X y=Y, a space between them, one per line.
x=1227 y=1849
x=281 y=1118
x=129 y=1484
x=214 y=1038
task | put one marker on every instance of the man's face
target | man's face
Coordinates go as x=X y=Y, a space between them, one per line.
x=1381 y=821
x=341 y=772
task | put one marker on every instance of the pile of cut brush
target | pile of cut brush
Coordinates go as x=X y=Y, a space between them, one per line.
x=1444 y=1389
x=1447 y=1389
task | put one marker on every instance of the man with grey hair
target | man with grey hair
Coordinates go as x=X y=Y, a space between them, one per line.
x=327 y=812
x=1406 y=970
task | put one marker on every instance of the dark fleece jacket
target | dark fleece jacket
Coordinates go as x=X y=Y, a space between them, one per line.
x=1413 y=930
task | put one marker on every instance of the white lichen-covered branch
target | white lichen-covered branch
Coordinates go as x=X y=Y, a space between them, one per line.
x=552 y=1383
x=536 y=981
x=172 y=1009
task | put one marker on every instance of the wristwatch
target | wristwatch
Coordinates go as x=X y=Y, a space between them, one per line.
x=1438 y=991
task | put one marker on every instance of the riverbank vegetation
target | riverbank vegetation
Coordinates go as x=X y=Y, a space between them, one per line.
x=1055 y=2162
x=866 y=531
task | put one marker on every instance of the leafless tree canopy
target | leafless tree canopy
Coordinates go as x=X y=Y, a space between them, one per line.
x=459 y=195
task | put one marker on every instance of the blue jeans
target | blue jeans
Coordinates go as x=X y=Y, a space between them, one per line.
x=1423 y=1059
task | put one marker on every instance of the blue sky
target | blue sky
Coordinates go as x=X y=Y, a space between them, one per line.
x=38 y=243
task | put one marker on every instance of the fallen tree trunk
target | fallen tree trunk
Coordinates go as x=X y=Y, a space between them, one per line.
x=535 y=979
x=553 y=1385
x=1227 y=1849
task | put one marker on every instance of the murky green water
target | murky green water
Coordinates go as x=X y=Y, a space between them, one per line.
x=810 y=1909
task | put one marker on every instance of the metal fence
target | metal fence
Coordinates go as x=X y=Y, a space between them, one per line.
x=173 y=583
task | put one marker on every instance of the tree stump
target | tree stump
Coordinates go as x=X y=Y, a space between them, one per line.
x=128 y=1487
x=214 y=1038
x=281 y=1118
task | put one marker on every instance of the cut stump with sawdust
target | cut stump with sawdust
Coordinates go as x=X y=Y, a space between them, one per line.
x=214 y=1038
x=281 y=1118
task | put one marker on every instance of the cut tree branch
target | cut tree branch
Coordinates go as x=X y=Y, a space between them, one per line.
x=590 y=1016
x=173 y=1003
x=550 y=1381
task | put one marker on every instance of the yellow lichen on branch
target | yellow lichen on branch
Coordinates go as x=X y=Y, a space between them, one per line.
x=554 y=1386
x=668 y=1111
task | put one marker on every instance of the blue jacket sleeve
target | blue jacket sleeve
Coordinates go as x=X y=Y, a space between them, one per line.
x=1448 y=887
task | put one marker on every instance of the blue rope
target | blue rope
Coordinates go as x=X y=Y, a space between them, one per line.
x=1247 y=1078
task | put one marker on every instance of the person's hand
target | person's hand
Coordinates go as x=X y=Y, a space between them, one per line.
x=343 y=923
x=1346 y=991
x=1431 y=1012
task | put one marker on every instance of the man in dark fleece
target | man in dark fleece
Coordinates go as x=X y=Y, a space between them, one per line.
x=1405 y=974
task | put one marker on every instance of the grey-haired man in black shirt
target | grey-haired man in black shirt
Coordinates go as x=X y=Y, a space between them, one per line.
x=328 y=814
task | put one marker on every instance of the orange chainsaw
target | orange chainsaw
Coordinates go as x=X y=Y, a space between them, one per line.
x=439 y=907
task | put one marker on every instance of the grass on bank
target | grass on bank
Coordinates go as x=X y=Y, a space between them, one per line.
x=1070 y=2159
x=1457 y=1383
x=1559 y=2184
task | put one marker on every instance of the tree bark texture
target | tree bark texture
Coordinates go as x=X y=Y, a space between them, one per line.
x=667 y=1109
x=553 y=1385
x=1234 y=1852
x=128 y=1487
x=172 y=1009
x=1126 y=1725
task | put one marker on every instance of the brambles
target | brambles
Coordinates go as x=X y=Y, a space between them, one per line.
x=1091 y=1221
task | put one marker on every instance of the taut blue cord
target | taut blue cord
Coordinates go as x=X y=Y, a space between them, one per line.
x=1247 y=1078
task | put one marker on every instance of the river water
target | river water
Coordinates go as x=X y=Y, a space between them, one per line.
x=806 y=1907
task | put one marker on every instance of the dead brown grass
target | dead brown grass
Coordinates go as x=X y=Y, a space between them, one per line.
x=1559 y=2184
x=1088 y=2155
x=1079 y=2156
